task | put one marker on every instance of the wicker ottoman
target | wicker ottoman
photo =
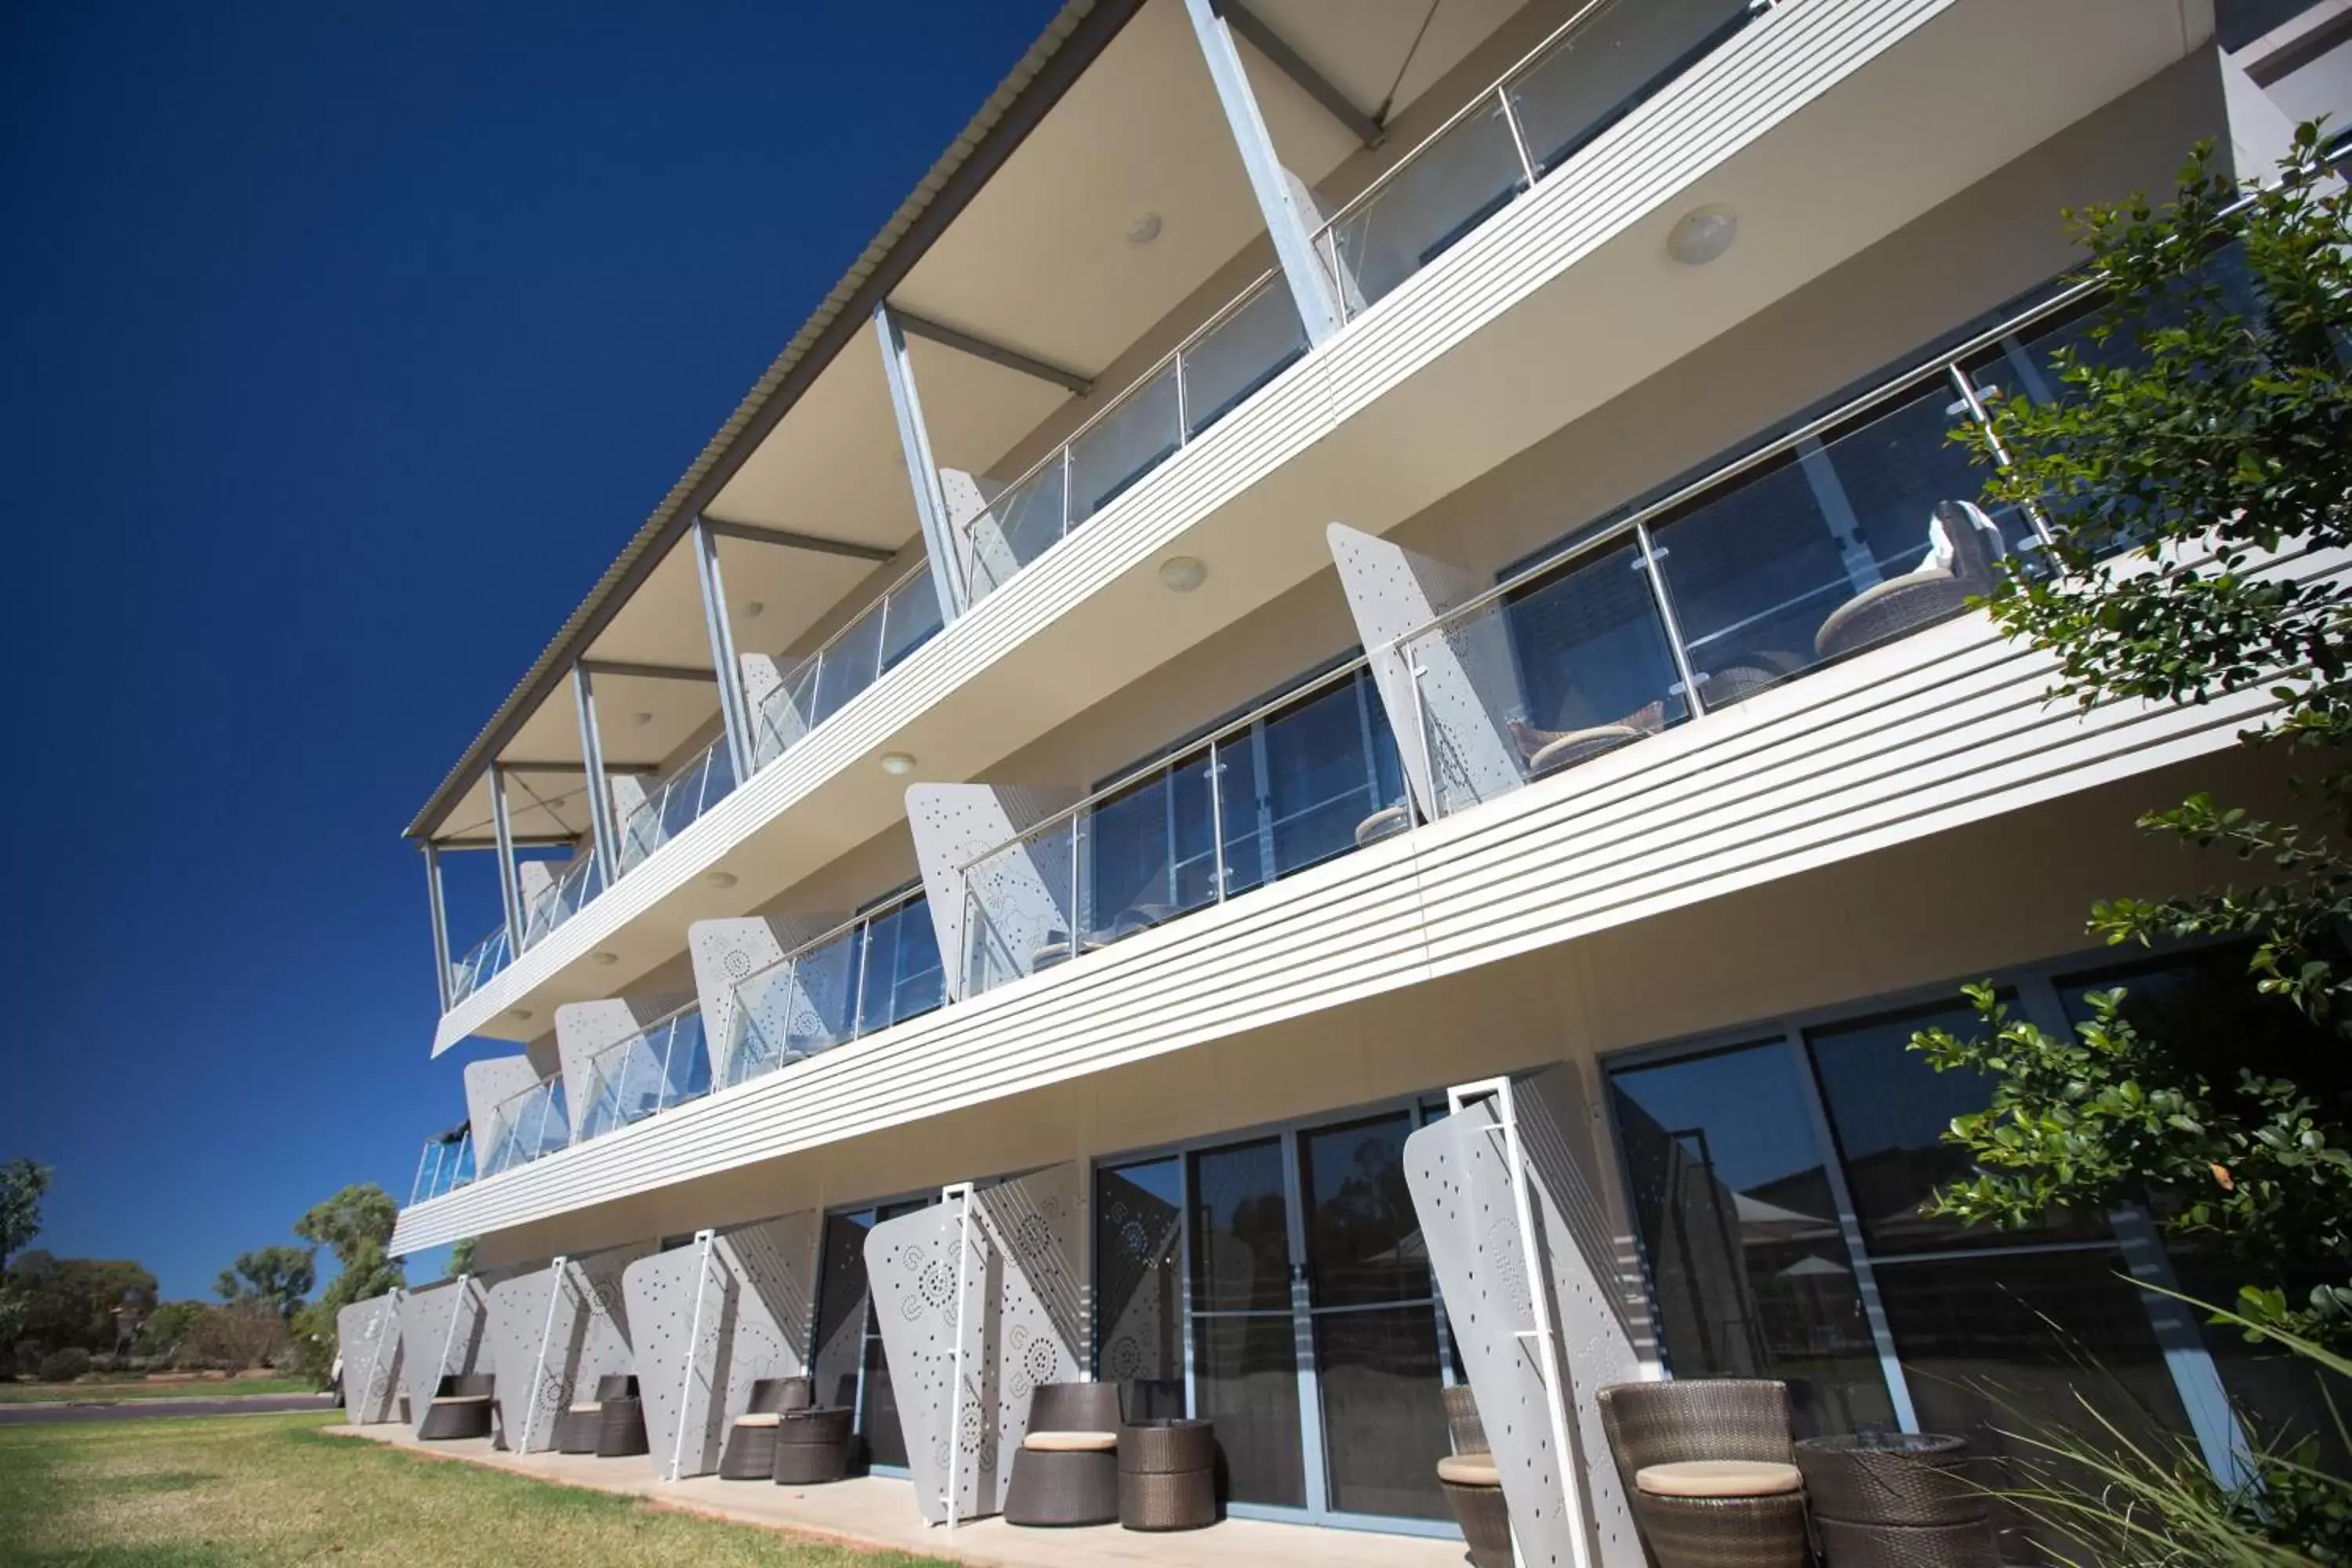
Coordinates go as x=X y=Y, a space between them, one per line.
x=460 y=1407
x=812 y=1445
x=1897 y=1499
x=575 y=1429
x=621 y=1428
x=750 y=1452
x=1168 y=1475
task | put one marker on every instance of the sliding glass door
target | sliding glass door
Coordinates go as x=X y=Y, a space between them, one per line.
x=846 y=1364
x=1277 y=1287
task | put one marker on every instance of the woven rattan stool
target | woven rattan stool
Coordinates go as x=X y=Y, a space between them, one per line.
x=812 y=1445
x=621 y=1428
x=750 y=1451
x=460 y=1407
x=1897 y=1501
x=1168 y=1475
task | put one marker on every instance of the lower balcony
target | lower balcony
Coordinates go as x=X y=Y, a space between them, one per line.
x=664 y=1064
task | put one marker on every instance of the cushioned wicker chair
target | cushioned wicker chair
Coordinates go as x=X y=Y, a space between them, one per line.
x=750 y=1451
x=1473 y=1486
x=1709 y=1471
x=1067 y=1469
x=460 y=1407
x=1963 y=544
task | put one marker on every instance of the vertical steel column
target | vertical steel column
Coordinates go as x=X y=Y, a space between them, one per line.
x=703 y=1239
x=562 y=1270
x=923 y=471
x=442 y=979
x=601 y=836
x=960 y=1192
x=1279 y=198
x=510 y=878
x=722 y=651
x=1546 y=1333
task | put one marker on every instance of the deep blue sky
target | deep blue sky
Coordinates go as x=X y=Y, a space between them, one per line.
x=341 y=349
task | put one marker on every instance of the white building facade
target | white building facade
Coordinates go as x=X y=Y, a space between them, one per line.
x=1329 y=554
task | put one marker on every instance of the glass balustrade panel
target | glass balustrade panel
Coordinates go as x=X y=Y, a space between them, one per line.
x=1021 y=524
x=1018 y=909
x=1615 y=59
x=485 y=958
x=912 y=618
x=1309 y=781
x=1150 y=852
x=1453 y=183
x=903 y=976
x=757 y=1042
x=824 y=1001
x=1565 y=669
x=850 y=665
x=1118 y=449
x=1241 y=354
x=1841 y=544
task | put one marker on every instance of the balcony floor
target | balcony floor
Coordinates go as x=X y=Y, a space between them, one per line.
x=877 y=1513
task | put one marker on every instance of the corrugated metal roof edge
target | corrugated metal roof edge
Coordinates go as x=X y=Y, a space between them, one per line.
x=1070 y=42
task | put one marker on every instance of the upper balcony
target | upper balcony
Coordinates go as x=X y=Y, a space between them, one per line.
x=1211 y=432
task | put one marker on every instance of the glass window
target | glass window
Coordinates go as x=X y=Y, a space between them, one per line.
x=1241 y=1237
x=1890 y=1110
x=1749 y=1272
x=1139 y=1288
x=1363 y=1241
x=1150 y=851
x=1298 y=786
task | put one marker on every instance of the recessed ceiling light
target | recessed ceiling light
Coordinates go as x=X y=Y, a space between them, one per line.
x=1182 y=573
x=898 y=763
x=519 y=1014
x=1701 y=235
x=604 y=958
x=1144 y=229
x=752 y=609
x=721 y=878
x=640 y=720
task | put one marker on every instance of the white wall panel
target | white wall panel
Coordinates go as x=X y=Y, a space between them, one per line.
x=367 y=1337
x=584 y=1028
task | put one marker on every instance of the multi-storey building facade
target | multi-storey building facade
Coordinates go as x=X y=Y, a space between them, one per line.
x=1327 y=553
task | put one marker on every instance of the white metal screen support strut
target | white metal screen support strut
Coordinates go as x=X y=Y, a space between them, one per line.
x=375 y=1353
x=561 y=1268
x=1546 y=1333
x=441 y=1367
x=957 y=1192
x=702 y=1240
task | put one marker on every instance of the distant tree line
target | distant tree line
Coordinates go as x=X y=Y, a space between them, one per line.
x=61 y=1318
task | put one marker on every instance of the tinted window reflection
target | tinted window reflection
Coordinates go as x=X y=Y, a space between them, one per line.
x=1890 y=1109
x=1749 y=1270
x=1138 y=1225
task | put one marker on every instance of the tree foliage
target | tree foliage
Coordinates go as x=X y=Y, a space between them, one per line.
x=277 y=1278
x=356 y=1225
x=23 y=1184
x=71 y=1301
x=2197 y=465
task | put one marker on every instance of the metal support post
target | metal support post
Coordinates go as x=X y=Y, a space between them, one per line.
x=922 y=470
x=1280 y=199
x=702 y=1240
x=510 y=884
x=960 y=1192
x=563 y=1268
x=722 y=649
x=441 y=976
x=599 y=790
x=1546 y=1332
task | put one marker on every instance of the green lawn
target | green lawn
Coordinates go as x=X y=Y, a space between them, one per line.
x=230 y=1491
x=112 y=1393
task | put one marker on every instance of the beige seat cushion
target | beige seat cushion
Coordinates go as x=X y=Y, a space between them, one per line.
x=759 y=1418
x=1719 y=1479
x=591 y=1408
x=1469 y=1470
x=1071 y=1442
x=463 y=1399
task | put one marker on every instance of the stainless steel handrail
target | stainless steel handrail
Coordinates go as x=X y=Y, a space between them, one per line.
x=890 y=905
